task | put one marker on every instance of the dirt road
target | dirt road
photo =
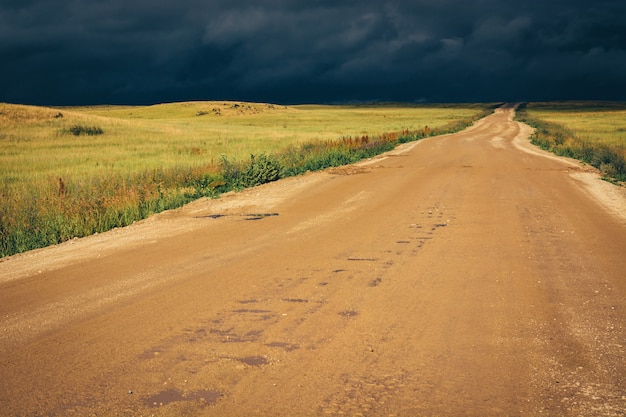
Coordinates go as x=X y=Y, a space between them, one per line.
x=459 y=275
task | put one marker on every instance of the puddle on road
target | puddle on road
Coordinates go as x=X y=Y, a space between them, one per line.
x=295 y=300
x=228 y=336
x=253 y=360
x=259 y=216
x=252 y=216
x=287 y=346
x=255 y=311
x=375 y=282
x=210 y=216
x=262 y=314
x=150 y=353
x=250 y=301
x=172 y=395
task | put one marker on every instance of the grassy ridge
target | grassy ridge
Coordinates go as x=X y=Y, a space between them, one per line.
x=72 y=172
x=594 y=133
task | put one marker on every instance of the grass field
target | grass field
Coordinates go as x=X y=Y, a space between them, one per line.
x=70 y=172
x=593 y=132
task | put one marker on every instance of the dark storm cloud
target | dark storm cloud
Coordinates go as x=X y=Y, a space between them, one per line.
x=142 y=51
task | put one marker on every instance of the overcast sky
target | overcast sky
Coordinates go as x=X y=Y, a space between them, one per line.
x=300 y=51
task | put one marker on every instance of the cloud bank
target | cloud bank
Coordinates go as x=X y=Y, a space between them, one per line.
x=150 y=51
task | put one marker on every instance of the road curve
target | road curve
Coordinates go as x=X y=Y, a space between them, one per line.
x=465 y=274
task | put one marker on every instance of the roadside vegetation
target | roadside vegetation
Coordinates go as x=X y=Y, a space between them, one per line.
x=594 y=133
x=72 y=172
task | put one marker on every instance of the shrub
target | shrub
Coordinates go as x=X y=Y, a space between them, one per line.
x=262 y=169
x=233 y=173
x=78 y=130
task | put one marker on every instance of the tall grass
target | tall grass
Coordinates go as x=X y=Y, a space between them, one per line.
x=132 y=168
x=594 y=133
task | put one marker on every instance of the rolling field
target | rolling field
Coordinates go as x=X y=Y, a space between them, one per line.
x=185 y=134
x=594 y=133
x=70 y=172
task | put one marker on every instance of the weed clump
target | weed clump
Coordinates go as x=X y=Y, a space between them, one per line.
x=262 y=169
x=78 y=130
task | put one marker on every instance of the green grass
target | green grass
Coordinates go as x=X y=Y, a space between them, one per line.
x=593 y=132
x=70 y=172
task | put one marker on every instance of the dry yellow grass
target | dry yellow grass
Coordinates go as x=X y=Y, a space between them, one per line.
x=593 y=132
x=595 y=122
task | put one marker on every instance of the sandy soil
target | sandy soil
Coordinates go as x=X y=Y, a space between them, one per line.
x=467 y=274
